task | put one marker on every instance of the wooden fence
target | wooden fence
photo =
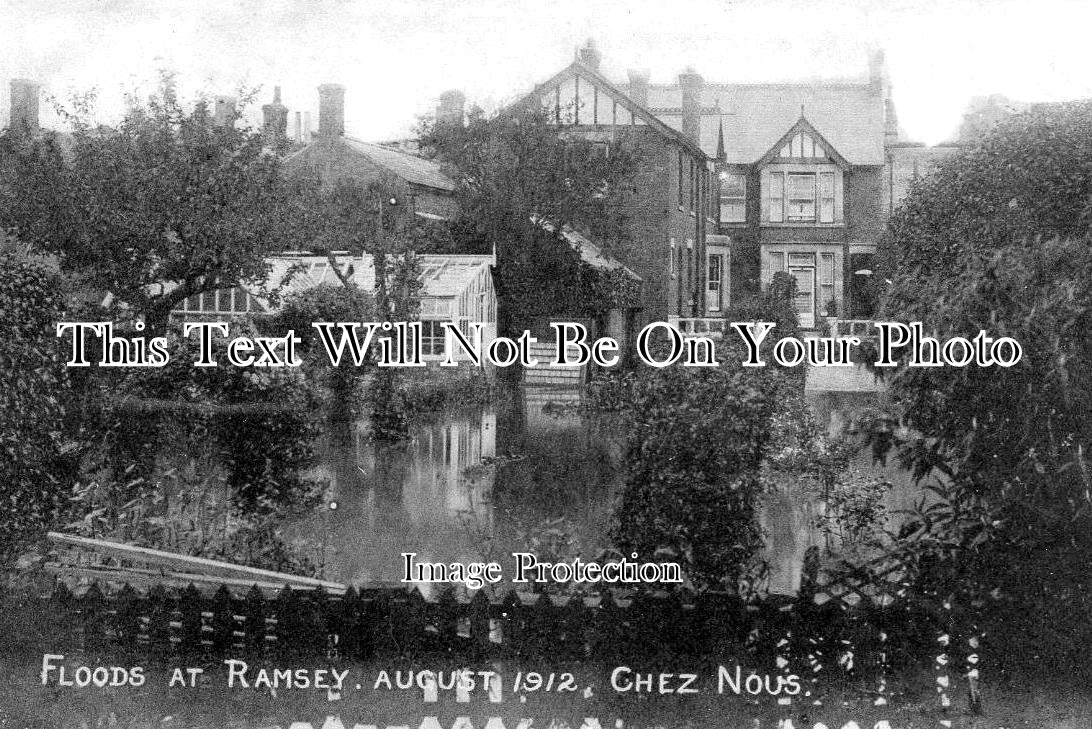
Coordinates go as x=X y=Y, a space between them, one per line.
x=162 y=624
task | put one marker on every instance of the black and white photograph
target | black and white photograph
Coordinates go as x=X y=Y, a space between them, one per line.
x=497 y=364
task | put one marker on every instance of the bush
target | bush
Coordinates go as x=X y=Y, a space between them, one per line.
x=261 y=422
x=999 y=239
x=697 y=441
x=33 y=397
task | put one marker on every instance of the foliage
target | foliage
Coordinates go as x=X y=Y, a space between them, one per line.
x=998 y=240
x=354 y=217
x=515 y=168
x=698 y=440
x=169 y=195
x=33 y=387
x=185 y=508
x=261 y=421
x=331 y=304
x=854 y=512
x=431 y=389
x=1030 y=179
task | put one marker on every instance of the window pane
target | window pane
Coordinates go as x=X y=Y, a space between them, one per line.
x=801 y=259
x=777 y=196
x=826 y=268
x=826 y=197
x=801 y=196
x=801 y=186
x=733 y=197
x=733 y=185
x=732 y=212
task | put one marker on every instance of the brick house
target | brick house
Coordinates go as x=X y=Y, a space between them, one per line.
x=331 y=154
x=668 y=212
x=801 y=171
x=735 y=182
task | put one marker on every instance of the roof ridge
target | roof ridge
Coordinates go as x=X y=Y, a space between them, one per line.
x=358 y=140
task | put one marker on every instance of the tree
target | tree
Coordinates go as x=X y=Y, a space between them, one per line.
x=520 y=183
x=998 y=239
x=698 y=439
x=169 y=195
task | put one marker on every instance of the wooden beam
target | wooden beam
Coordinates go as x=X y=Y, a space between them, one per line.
x=186 y=564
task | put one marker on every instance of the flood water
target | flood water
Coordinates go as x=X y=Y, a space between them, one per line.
x=476 y=484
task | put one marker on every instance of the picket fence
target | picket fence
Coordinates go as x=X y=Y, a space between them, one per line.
x=164 y=623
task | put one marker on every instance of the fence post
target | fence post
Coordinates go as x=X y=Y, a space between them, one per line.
x=223 y=622
x=191 y=605
x=479 y=623
x=126 y=622
x=447 y=620
x=512 y=633
x=254 y=612
x=93 y=619
x=353 y=640
x=160 y=609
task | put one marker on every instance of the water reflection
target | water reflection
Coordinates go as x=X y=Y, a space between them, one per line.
x=475 y=485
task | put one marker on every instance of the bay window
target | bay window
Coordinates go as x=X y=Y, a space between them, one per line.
x=801 y=197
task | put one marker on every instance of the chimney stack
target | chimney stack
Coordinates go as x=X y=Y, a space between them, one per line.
x=638 y=86
x=24 y=104
x=589 y=55
x=275 y=120
x=451 y=109
x=877 y=73
x=299 y=127
x=331 y=111
x=691 y=83
x=224 y=111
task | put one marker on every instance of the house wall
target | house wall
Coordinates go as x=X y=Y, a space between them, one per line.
x=653 y=219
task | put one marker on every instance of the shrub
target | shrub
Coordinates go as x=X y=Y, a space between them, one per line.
x=33 y=397
x=697 y=440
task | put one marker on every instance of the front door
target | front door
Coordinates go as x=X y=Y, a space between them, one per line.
x=714 y=289
x=805 y=294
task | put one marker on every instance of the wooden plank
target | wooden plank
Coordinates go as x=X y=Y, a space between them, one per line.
x=186 y=564
x=150 y=578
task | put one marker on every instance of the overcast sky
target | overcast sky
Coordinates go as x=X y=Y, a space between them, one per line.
x=396 y=57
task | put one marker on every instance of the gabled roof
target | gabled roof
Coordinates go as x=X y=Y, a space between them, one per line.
x=442 y=276
x=803 y=125
x=409 y=167
x=850 y=116
x=582 y=70
x=589 y=252
x=448 y=275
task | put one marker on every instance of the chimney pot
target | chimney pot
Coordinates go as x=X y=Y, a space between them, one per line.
x=331 y=111
x=275 y=120
x=24 y=104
